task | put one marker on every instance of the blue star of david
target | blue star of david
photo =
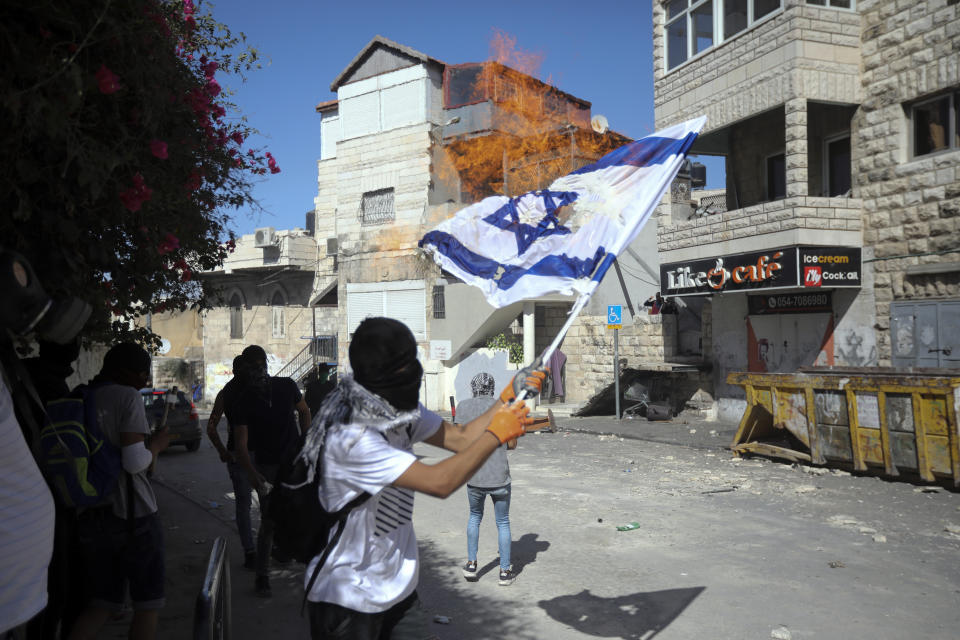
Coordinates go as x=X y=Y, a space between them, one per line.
x=507 y=218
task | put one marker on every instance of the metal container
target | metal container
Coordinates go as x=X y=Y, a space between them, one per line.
x=891 y=419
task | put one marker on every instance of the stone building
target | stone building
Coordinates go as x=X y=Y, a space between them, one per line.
x=410 y=140
x=270 y=295
x=839 y=122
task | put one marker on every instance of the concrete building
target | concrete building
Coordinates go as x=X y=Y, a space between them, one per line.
x=269 y=295
x=839 y=123
x=407 y=142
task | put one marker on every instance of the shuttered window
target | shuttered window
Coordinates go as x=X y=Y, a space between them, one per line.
x=403 y=300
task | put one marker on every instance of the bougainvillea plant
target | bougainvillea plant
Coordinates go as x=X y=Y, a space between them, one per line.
x=121 y=159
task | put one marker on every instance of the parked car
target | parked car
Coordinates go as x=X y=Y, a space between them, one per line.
x=182 y=417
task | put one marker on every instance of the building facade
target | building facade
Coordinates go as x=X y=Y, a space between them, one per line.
x=410 y=140
x=838 y=121
x=269 y=294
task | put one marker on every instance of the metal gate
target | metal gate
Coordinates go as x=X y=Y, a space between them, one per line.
x=925 y=334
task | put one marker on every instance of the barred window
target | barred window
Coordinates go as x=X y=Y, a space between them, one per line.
x=439 y=302
x=278 y=310
x=376 y=207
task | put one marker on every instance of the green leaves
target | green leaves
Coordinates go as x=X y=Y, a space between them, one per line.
x=87 y=88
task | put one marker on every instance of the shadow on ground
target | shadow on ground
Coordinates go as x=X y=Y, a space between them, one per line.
x=473 y=615
x=634 y=616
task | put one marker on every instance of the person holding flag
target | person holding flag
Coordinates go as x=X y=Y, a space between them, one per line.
x=562 y=239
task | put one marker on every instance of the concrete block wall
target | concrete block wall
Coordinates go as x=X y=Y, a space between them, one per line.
x=800 y=51
x=588 y=346
x=817 y=215
x=911 y=205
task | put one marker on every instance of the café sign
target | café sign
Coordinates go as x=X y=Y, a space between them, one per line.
x=783 y=268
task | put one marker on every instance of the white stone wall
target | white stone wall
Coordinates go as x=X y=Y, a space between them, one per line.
x=801 y=51
x=911 y=206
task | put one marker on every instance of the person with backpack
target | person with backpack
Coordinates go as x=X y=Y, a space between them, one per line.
x=121 y=538
x=227 y=403
x=264 y=424
x=364 y=581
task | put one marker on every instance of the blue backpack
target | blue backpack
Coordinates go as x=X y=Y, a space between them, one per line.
x=77 y=459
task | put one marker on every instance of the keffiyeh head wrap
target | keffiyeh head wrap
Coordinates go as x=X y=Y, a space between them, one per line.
x=349 y=405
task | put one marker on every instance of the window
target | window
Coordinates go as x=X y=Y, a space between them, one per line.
x=439 y=302
x=777 y=177
x=236 y=316
x=693 y=26
x=403 y=300
x=278 y=308
x=464 y=85
x=837 y=165
x=836 y=4
x=376 y=207
x=936 y=125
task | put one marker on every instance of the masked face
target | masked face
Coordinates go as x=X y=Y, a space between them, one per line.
x=383 y=355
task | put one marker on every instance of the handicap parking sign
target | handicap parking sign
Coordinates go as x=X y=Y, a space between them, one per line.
x=614 y=316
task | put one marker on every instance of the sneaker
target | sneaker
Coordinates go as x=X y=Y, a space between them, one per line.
x=507 y=576
x=262 y=587
x=250 y=560
x=469 y=570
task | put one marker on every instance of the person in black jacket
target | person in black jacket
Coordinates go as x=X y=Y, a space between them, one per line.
x=265 y=425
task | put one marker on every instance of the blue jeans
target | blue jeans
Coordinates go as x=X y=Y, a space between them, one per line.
x=242 y=493
x=501 y=510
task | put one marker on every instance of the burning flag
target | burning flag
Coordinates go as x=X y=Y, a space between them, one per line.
x=564 y=238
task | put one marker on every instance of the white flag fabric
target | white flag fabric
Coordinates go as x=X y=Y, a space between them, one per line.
x=531 y=245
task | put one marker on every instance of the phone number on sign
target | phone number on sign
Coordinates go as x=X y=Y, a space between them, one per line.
x=814 y=300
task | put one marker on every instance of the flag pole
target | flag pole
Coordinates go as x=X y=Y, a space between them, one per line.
x=574 y=312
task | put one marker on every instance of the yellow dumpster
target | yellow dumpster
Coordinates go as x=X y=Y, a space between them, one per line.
x=868 y=417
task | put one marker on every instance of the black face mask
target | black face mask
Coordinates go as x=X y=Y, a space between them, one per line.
x=383 y=355
x=401 y=388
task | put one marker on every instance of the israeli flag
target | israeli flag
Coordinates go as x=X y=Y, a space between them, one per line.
x=564 y=238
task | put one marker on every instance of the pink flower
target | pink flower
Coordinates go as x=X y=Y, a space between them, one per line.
x=107 y=80
x=272 y=163
x=213 y=88
x=237 y=137
x=209 y=68
x=134 y=197
x=159 y=149
x=170 y=243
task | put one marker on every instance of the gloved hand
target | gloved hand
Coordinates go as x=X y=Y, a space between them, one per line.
x=527 y=378
x=509 y=420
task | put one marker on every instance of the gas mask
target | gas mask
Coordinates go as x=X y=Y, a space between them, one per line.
x=27 y=308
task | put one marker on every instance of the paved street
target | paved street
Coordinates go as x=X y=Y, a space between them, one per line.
x=725 y=549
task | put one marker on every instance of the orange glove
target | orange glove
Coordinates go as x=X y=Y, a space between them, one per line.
x=509 y=420
x=530 y=379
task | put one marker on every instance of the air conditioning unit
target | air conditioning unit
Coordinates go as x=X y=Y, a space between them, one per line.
x=331 y=246
x=265 y=237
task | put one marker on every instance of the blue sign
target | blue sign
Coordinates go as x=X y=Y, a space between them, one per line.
x=614 y=315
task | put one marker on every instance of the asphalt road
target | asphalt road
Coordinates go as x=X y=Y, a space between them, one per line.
x=725 y=548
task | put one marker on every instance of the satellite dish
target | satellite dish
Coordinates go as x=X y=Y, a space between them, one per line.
x=164 y=346
x=599 y=124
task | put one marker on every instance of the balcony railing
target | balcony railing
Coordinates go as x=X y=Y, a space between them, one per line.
x=792 y=221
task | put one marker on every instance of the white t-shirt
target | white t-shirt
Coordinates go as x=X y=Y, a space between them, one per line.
x=374 y=565
x=26 y=524
x=120 y=410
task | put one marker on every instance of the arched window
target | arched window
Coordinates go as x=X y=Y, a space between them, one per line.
x=279 y=308
x=236 y=316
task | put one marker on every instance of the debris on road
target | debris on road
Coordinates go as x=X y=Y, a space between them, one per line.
x=879 y=537
x=781 y=633
x=628 y=527
x=442 y=619
x=836 y=564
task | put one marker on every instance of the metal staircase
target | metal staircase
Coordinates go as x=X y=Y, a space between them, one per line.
x=322 y=349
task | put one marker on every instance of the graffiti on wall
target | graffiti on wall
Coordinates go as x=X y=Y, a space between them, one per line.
x=855 y=350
